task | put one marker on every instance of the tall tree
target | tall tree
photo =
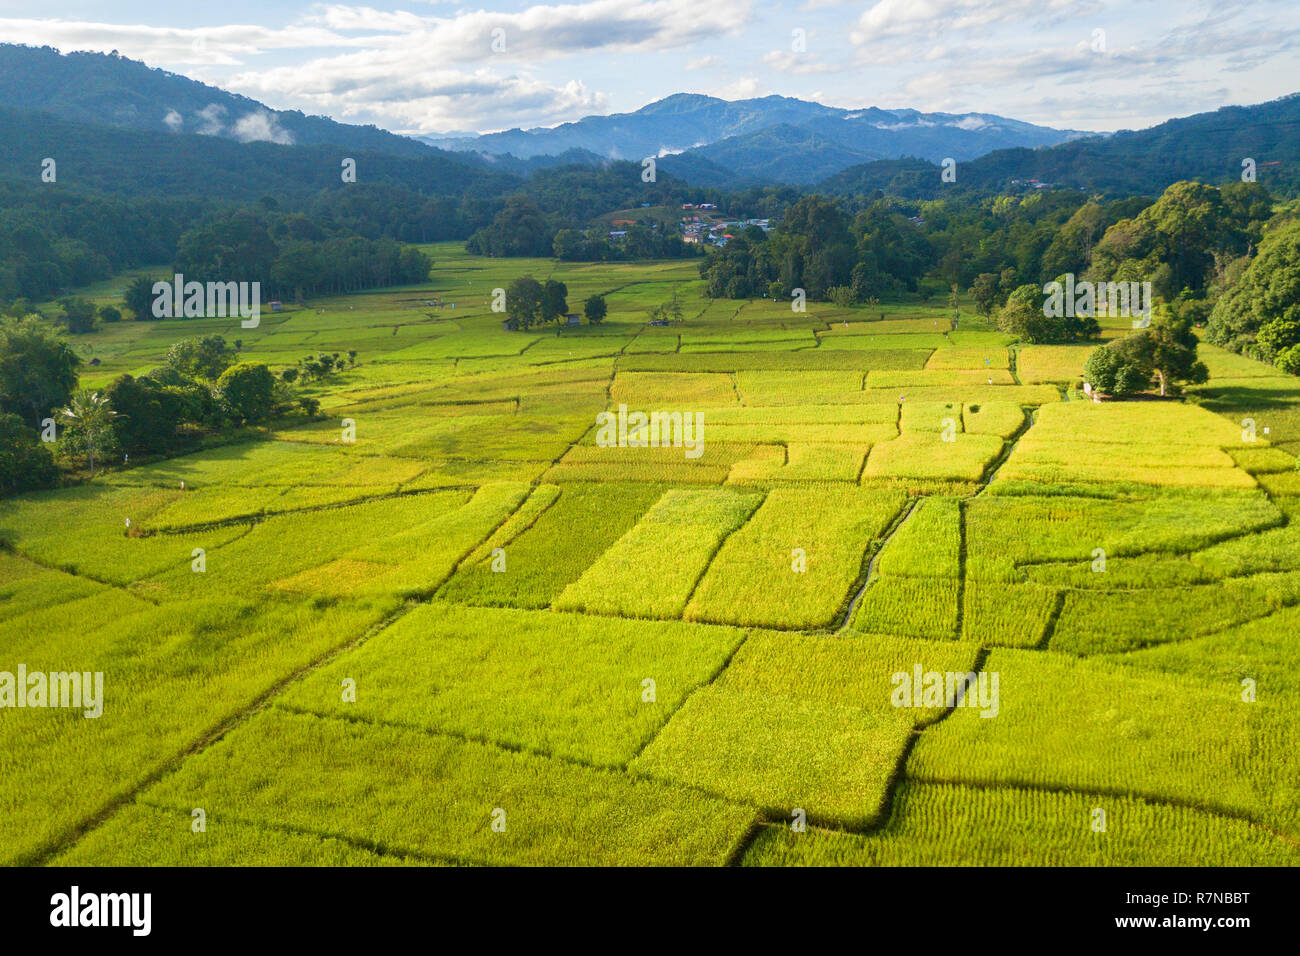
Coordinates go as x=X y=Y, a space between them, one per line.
x=595 y=309
x=25 y=461
x=201 y=357
x=1166 y=351
x=555 y=302
x=38 y=369
x=138 y=297
x=88 y=428
x=524 y=301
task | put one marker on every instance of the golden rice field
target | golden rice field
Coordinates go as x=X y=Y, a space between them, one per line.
x=480 y=634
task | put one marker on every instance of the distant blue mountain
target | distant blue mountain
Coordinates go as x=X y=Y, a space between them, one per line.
x=771 y=139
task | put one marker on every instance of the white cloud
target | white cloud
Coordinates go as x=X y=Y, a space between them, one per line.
x=797 y=63
x=260 y=126
x=432 y=67
x=920 y=19
x=228 y=45
x=703 y=62
x=394 y=82
x=211 y=120
x=744 y=88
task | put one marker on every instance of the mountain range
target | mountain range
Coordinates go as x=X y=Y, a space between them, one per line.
x=1213 y=147
x=127 y=128
x=769 y=139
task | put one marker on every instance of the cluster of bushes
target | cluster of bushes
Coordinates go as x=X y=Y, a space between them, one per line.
x=641 y=241
x=201 y=387
x=320 y=366
x=77 y=314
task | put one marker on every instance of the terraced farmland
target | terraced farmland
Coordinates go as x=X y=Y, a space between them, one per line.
x=479 y=635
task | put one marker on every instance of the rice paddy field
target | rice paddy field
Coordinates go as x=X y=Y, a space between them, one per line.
x=479 y=634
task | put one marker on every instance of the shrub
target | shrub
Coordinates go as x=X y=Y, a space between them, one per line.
x=25 y=463
x=207 y=357
x=247 y=392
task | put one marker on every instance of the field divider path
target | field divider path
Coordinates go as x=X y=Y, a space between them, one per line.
x=726 y=661
x=1008 y=447
x=959 y=627
x=254 y=519
x=8 y=548
x=650 y=738
x=1067 y=791
x=1049 y=626
x=870 y=575
x=458 y=736
x=717 y=548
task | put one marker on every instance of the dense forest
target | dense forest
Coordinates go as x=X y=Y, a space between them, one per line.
x=890 y=244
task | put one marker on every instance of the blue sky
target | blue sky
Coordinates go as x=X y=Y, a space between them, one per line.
x=421 y=67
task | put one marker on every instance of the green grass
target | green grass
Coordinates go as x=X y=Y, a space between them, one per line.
x=172 y=674
x=781 y=753
x=443 y=668
x=555 y=551
x=928 y=543
x=965 y=458
x=375 y=784
x=651 y=571
x=917 y=607
x=1095 y=622
x=1094 y=726
x=753 y=580
x=947 y=825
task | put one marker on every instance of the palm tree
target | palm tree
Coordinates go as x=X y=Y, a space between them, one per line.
x=88 y=421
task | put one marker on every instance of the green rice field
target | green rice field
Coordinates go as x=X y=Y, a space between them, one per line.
x=480 y=634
